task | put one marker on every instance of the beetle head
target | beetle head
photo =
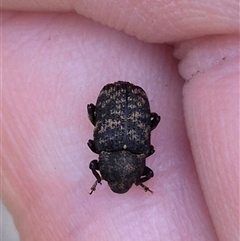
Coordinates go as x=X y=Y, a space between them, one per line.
x=121 y=169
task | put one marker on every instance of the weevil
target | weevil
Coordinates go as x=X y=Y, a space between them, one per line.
x=122 y=136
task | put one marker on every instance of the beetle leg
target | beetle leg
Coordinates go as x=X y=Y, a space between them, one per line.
x=91 y=113
x=93 y=188
x=155 y=119
x=151 y=151
x=145 y=188
x=93 y=165
x=91 y=145
x=147 y=173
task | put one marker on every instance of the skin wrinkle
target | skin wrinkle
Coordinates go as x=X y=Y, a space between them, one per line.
x=216 y=18
x=211 y=161
x=136 y=20
x=195 y=62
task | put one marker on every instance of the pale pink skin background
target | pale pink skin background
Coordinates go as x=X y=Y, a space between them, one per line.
x=54 y=64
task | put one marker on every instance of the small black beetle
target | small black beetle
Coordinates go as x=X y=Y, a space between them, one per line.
x=123 y=124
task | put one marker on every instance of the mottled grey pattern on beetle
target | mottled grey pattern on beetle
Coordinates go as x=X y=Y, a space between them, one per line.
x=122 y=136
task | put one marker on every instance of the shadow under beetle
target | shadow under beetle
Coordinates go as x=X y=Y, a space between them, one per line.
x=123 y=124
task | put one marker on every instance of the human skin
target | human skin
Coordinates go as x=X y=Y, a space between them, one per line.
x=54 y=64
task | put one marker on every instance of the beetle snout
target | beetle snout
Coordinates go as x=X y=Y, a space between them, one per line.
x=119 y=188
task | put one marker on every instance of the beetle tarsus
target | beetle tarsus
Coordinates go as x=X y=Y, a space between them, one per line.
x=93 y=188
x=145 y=188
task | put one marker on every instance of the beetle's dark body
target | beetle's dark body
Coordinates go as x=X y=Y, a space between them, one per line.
x=123 y=124
x=122 y=119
